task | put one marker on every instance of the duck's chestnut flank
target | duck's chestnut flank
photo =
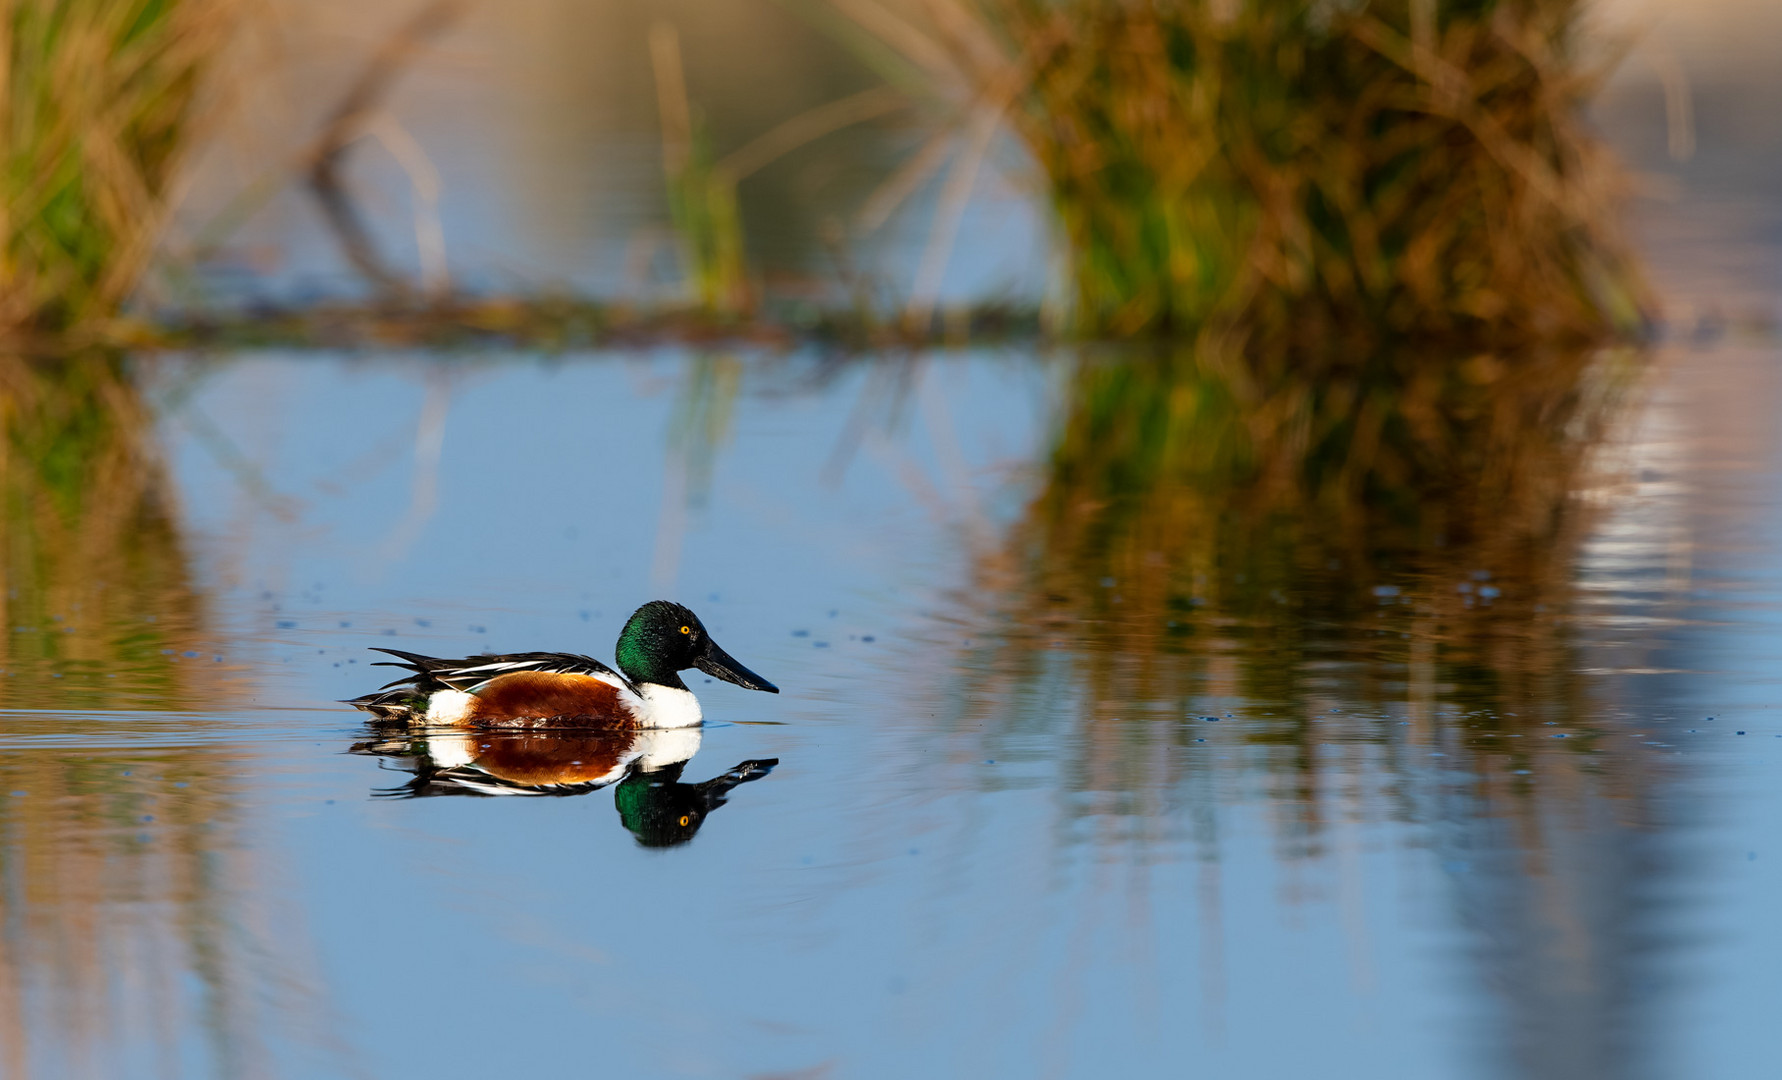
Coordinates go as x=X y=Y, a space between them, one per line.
x=549 y=694
x=660 y=640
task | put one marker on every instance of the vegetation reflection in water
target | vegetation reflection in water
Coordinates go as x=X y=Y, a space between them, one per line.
x=1362 y=584
x=100 y=610
x=1374 y=535
x=642 y=767
x=125 y=876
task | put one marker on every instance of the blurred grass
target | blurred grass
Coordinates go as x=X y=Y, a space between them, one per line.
x=701 y=194
x=1294 y=169
x=97 y=104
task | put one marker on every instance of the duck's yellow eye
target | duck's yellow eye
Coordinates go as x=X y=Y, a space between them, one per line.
x=686 y=630
x=684 y=819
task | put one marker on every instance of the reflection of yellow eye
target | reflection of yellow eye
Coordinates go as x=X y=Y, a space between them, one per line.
x=686 y=629
x=684 y=819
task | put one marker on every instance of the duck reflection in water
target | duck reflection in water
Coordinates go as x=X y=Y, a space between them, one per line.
x=643 y=767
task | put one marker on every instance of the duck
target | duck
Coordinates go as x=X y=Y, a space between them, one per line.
x=566 y=690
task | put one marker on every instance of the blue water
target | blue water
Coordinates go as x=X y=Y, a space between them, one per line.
x=945 y=874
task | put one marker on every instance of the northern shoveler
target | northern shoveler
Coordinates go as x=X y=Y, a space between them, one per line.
x=567 y=690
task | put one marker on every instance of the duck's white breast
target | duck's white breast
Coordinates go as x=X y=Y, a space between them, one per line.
x=667 y=707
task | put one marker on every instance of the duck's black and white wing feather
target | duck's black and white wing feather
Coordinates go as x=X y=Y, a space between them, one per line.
x=428 y=673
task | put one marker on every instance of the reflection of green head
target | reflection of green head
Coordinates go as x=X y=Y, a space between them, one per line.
x=660 y=811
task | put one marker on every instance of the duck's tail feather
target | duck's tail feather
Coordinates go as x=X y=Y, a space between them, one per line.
x=423 y=678
x=402 y=703
x=414 y=662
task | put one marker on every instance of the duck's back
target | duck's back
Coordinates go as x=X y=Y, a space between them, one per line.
x=510 y=689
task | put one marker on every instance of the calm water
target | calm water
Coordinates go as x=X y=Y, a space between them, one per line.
x=1028 y=819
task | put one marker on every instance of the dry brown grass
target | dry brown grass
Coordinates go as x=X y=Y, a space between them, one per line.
x=98 y=104
x=1298 y=169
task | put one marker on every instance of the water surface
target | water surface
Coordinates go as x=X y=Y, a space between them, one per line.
x=1184 y=783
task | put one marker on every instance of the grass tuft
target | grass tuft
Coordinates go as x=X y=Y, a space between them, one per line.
x=1299 y=169
x=701 y=192
x=97 y=107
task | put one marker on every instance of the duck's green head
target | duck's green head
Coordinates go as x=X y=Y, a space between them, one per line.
x=663 y=638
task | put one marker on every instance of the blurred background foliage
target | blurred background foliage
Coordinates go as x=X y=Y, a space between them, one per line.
x=1298 y=168
x=1287 y=169
x=98 y=113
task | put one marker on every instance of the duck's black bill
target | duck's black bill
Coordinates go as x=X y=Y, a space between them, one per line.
x=718 y=663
